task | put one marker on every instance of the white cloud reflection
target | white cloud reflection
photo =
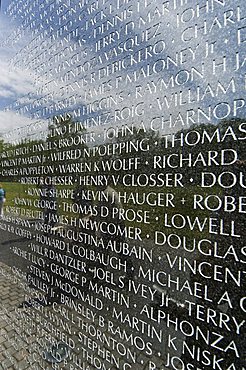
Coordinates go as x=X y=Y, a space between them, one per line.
x=19 y=87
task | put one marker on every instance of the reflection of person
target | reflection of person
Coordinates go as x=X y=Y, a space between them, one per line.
x=2 y=199
x=83 y=203
x=48 y=203
x=110 y=201
x=86 y=212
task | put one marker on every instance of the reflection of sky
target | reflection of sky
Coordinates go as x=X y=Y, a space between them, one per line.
x=40 y=86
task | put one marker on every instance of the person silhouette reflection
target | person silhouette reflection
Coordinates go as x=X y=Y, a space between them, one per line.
x=48 y=202
x=109 y=206
x=2 y=199
x=86 y=212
